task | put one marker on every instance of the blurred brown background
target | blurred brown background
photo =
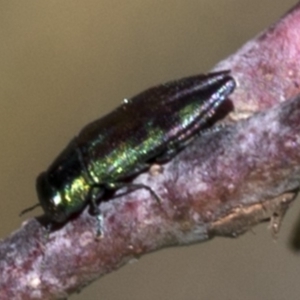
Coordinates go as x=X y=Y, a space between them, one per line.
x=65 y=63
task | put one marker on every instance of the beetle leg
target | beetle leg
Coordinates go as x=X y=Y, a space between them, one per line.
x=136 y=186
x=131 y=187
x=96 y=193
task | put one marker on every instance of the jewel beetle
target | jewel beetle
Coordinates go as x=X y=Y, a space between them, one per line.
x=150 y=127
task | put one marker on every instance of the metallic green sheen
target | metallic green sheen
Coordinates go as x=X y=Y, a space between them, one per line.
x=150 y=127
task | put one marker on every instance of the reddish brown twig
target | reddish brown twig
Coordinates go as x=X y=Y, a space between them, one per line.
x=223 y=184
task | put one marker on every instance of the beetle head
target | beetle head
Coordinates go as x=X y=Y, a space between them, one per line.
x=51 y=199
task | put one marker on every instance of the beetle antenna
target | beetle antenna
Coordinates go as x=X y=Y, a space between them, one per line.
x=25 y=211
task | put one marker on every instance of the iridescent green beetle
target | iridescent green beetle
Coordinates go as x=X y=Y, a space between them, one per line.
x=150 y=127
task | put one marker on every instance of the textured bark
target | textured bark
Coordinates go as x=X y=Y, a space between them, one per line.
x=223 y=184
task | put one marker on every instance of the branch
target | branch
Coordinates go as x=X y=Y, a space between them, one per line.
x=223 y=184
